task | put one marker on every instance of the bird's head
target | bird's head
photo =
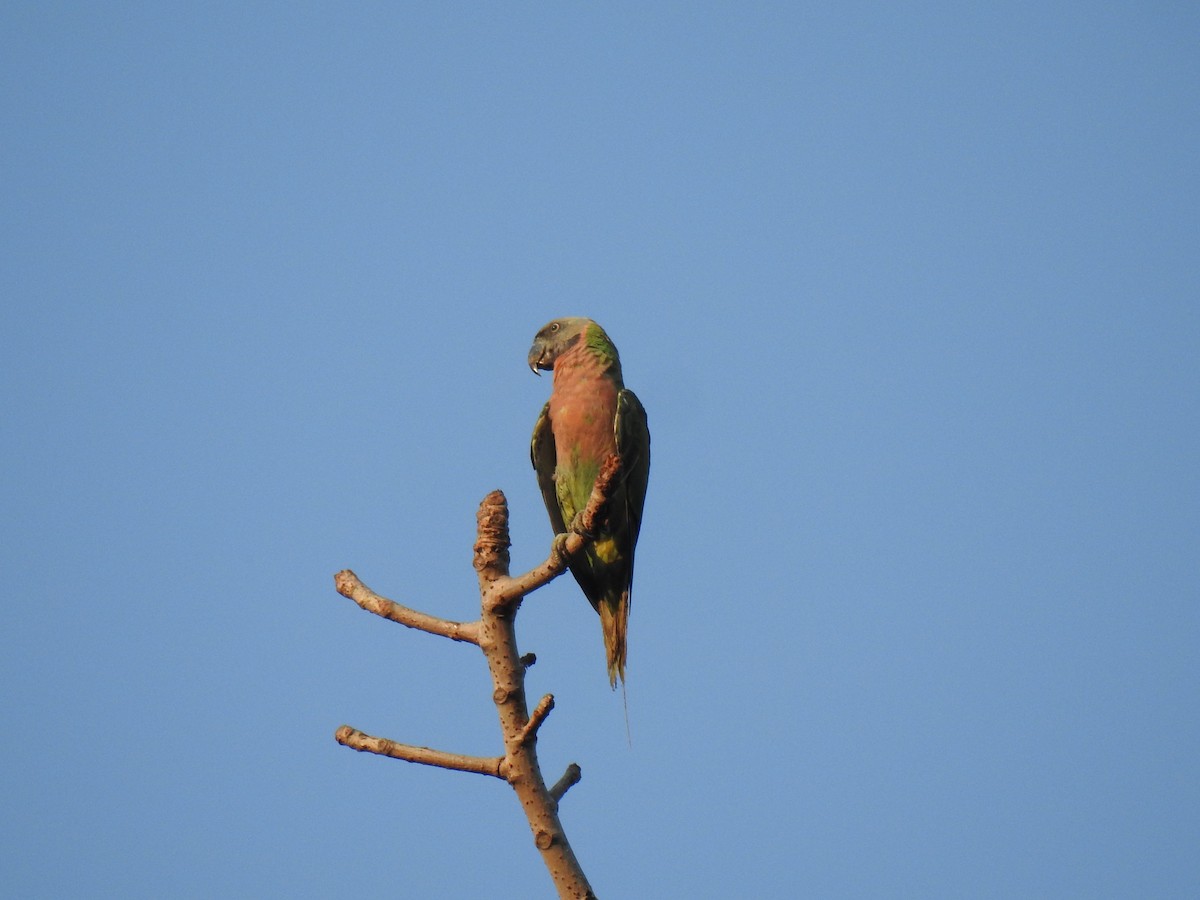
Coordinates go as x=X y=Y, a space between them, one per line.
x=554 y=339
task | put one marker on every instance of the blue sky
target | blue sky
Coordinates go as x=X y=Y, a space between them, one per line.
x=909 y=292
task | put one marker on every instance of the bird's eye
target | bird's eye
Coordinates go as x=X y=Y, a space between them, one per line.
x=554 y=327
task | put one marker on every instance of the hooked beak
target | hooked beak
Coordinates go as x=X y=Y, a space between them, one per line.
x=536 y=354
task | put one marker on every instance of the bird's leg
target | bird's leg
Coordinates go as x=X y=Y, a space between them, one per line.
x=558 y=549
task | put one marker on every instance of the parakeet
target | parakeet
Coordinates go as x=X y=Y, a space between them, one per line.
x=591 y=415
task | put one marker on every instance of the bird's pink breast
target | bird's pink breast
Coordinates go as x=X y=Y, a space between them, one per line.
x=583 y=406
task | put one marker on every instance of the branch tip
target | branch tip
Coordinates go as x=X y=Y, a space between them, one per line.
x=345 y=582
x=491 y=545
x=570 y=777
x=349 y=585
x=536 y=718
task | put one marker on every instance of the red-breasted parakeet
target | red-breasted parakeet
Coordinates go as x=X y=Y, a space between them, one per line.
x=590 y=416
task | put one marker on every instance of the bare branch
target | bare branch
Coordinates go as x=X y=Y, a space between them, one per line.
x=348 y=585
x=480 y=765
x=536 y=718
x=495 y=634
x=564 y=784
x=515 y=589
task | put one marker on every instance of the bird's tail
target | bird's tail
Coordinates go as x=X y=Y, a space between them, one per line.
x=614 y=616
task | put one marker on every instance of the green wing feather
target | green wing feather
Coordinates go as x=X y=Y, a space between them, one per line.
x=633 y=446
x=545 y=460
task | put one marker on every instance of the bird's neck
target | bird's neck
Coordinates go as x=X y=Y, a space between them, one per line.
x=580 y=365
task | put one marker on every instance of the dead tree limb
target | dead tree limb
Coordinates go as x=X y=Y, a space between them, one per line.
x=494 y=633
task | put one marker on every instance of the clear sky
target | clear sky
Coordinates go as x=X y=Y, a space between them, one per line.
x=909 y=291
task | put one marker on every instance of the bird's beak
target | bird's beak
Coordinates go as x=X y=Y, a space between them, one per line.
x=536 y=352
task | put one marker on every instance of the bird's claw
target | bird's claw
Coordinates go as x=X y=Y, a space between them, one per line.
x=559 y=549
x=577 y=526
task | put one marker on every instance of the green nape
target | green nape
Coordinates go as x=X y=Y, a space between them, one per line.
x=598 y=343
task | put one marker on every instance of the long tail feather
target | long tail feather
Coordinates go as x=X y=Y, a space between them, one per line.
x=614 y=617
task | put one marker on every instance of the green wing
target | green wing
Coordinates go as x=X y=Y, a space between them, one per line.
x=545 y=459
x=633 y=446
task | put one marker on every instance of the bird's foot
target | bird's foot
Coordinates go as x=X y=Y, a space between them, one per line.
x=559 y=550
x=579 y=526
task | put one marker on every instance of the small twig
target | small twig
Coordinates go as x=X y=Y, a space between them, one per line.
x=480 y=765
x=536 y=718
x=569 y=778
x=348 y=585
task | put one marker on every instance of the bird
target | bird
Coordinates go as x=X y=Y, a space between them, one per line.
x=591 y=415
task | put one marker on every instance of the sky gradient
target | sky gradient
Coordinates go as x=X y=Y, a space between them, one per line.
x=910 y=294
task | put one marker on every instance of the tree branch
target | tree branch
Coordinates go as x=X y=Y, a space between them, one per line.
x=569 y=778
x=494 y=633
x=480 y=765
x=537 y=717
x=348 y=585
